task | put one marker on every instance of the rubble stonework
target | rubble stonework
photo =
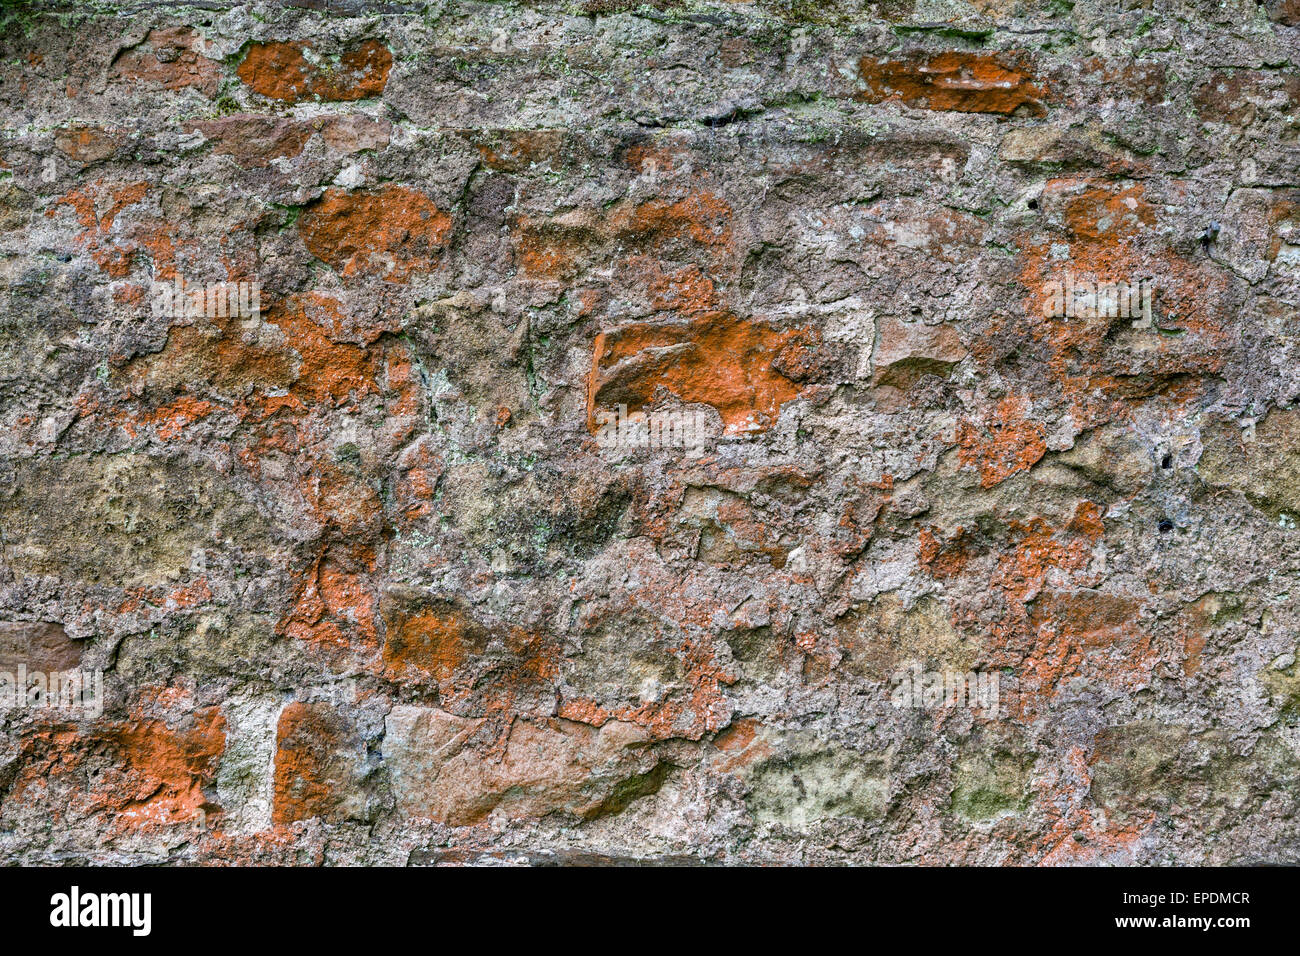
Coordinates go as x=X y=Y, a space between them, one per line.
x=366 y=584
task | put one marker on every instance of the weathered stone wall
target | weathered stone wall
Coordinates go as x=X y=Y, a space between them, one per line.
x=371 y=577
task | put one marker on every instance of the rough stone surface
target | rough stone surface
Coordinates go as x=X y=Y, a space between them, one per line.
x=365 y=587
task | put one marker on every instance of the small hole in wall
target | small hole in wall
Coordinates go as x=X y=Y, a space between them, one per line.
x=1167 y=461
x=1166 y=526
x=1032 y=204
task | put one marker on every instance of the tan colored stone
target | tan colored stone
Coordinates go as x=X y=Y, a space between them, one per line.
x=547 y=766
